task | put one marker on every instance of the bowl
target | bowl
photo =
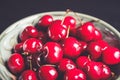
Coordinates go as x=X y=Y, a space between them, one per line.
x=8 y=37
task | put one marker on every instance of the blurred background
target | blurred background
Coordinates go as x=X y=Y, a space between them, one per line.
x=14 y=10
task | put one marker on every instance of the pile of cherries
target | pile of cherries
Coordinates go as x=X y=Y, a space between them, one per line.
x=59 y=49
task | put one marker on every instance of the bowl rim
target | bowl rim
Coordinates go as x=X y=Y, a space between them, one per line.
x=9 y=28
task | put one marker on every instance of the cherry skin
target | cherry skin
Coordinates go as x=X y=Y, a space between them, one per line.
x=111 y=56
x=45 y=20
x=57 y=31
x=66 y=64
x=71 y=47
x=97 y=71
x=97 y=35
x=104 y=45
x=95 y=50
x=86 y=31
x=18 y=47
x=28 y=75
x=75 y=74
x=28 y=32
x=53 y=52
x=47 y=72
x=16 y=63
x=82 y=61
x=32 y=46
x=70 y=21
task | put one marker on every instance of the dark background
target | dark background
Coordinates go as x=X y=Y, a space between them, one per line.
x=13 y=10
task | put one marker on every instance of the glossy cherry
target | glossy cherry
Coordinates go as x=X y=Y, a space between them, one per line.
x=16 y=63
x=53 y=52
x=95 y=50
x=66 y=64
x=97 y=35
x=18 y=47
x=86 y=31
x=111 y=56
x=75 y=74
x=82 y=61
x=28 y=32
x=57 y=31
x=32 y=45
x=70 y=21
x=28 y=75
x=47 y=72
x=71 y=47
x=97 y=71
x=45 y=20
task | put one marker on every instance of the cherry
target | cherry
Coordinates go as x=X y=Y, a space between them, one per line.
x=103 y=44
x=94 y=50
x=71 y=47
x=16 y=63
x=70 y=21
x=57 y=31
x=75 y=74
x=82 y=61
x=28 y=32
x=32 y=45
x=83 y=45
x=86 y=31
x=47 y=72
x=45 y=20
x=97 y=35
x=97 y=71
x=53 y=52
x=28 y=75
x=111 y=56
x=18 y=47
x=66 y=64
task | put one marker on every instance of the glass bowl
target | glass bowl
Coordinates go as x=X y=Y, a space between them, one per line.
x=8 y=37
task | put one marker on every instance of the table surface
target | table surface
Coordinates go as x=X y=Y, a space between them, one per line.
x=14 y=10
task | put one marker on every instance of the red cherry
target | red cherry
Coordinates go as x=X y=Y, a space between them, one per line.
x=97 y=35
x=53 y=52
x=83 y=44
x=47 y=72
x=45 y=20
x=95 y=50
x=70 y=21
x=28 y=32
x=32 y=45
x=82 y=61
x=111 y=56
x=18 y=47
x=103 y=44
x=66 y=64
x=96 y=71
x=86 y=31
x=16 y=63
x=71 y=47
x=57 y=31
x=75 y=74
x=28 y=75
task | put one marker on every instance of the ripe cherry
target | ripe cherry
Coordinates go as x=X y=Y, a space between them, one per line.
x=104 y=45
x=16 y=63
x=28 y=32
x=18 y=47
x=28 y=75
x=97 y=35
x=71 y=47
x=97 y=71
x=86 y=31
x=47 y=72
x=95 y=50
x=57 y=31
x=82 y=61
x=66 y=64
x=53 y=52
x=70 y=21
x=111 y=56
x=75 y=74
x=32 y=45
x=45 y=20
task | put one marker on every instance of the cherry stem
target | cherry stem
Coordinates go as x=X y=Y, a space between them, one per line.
x=68 y=31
